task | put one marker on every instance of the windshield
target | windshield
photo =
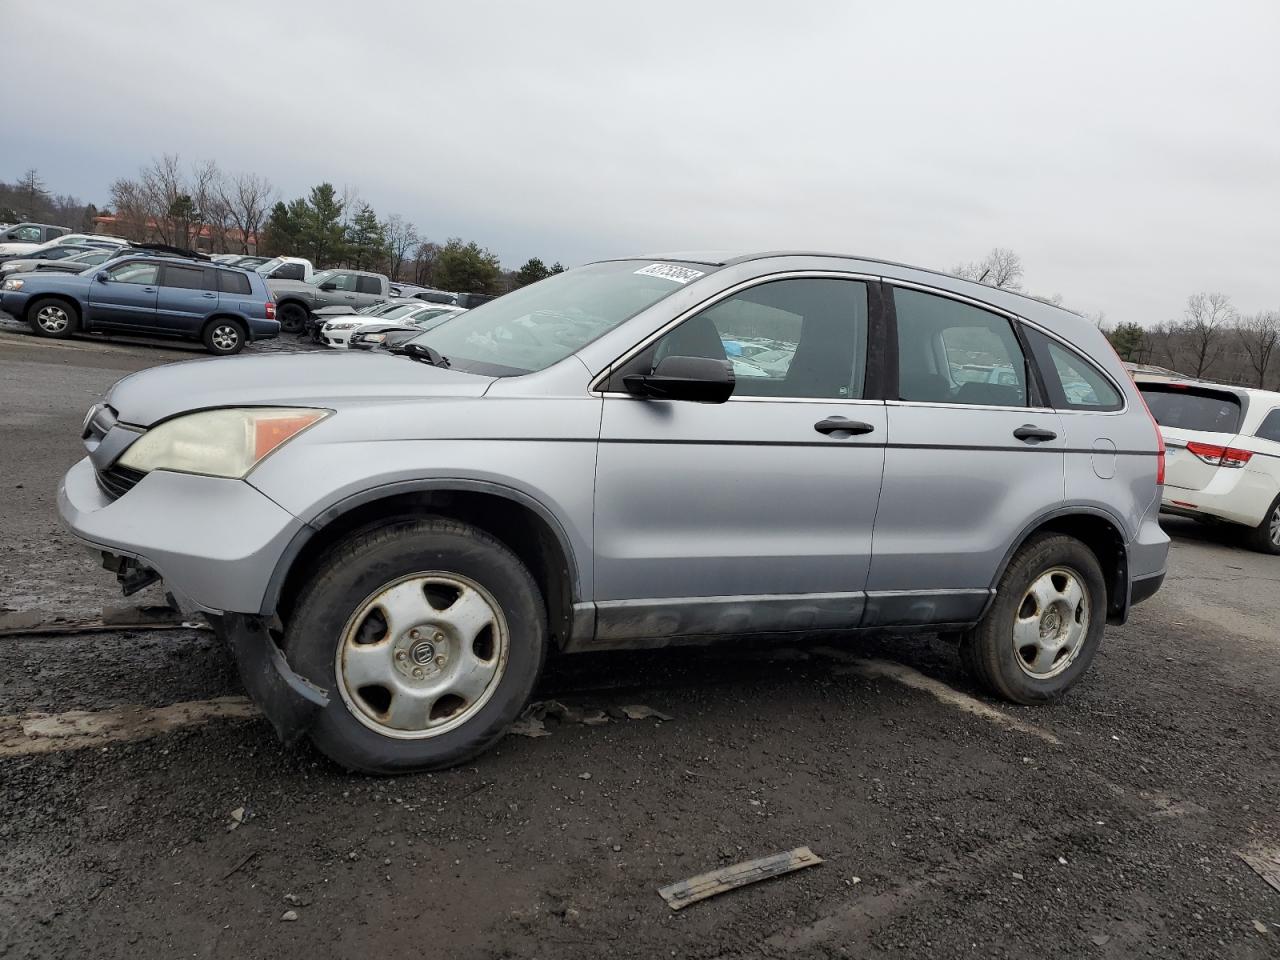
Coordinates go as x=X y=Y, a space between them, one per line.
x=531 y=328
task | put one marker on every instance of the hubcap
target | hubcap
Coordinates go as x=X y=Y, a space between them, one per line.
x=1051 y=623
x=53 y=319
x=225 y=337
x=1275 y=527
x=422 y=655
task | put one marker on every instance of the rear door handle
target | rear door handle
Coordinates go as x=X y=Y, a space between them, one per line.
x=841 y=425
x=1028 y=432
x=209 y=296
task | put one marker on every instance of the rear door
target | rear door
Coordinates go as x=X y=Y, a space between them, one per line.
x=188 y=294
x=974 y=454
x=127 y=296
x=1196 y=421
x=752 y=515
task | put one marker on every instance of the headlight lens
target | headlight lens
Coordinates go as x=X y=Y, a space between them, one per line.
x=13 y=284
x=338 y=326
x=374 y=337
x=218 y=443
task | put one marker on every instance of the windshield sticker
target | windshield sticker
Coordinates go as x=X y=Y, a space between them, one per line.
x=669 y=271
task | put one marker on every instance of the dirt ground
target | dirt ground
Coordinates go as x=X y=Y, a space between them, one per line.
x=1107 y=826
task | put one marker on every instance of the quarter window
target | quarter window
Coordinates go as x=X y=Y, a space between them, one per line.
x=229 y=282
x=1270 y=427
x=804 y=337
x=1072 y=381
x=950 y=352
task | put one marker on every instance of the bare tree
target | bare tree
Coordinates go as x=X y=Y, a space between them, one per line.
x=1206 y=316
x=425 y=255
x=1259 y=335
x=1163 y=343
x=248 y=199
x=402 y=238
x=1001 y=268
x=212 y=215
x=33 y=194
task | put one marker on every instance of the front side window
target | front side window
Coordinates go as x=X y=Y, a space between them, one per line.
x=531 y=328
x=1073 y=382
x=1269 y=429
x=799 y=338
x=346 y=282
x=134 y=272
x=951 y=352
x=28 y=235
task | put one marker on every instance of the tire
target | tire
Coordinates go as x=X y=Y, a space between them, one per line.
x=439 y=578
x=51 y=317
x=1265 y=537
x=292 y=317
x=1049 y=663
x=224 y=337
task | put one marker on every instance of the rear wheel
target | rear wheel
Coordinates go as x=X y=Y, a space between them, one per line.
x=49 y=317
x=292 y=317
x=1045 y=624
x=429 y=635
x=223 y=336
x=1265 y=537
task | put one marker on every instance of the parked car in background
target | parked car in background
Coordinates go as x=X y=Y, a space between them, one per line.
x=574 y=467
x=338 y=332
x=20 y=262
x=1224 y=454
x=286 y=268
x=392 y=336
x=72 y=264
x=82 y=240
x=297 y=300
x=22 y=237
x=145 y=293
x=245 y=261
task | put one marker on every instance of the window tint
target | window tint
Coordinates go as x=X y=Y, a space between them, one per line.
x=1192 y=408
x=1270 y=427
x=805 y=337
x=1072 y=381
x=185 y=278
x=134 y=272
x=369 y=285
x=950 y=352
x=229 y=282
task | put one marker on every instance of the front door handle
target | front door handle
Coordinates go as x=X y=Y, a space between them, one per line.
x=1029 y=433
x=209 y=296
x=841 y=425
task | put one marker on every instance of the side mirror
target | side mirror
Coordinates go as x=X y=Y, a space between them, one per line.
x=329 y=285
x=699 y=379
x=102 y=276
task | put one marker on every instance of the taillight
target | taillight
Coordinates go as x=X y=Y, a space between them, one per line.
x=271 y=310
x=1220 y=456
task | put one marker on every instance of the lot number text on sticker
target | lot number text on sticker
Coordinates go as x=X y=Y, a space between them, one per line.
x=668 y=271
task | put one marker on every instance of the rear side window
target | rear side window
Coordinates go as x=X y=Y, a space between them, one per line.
x=185 y=278
x=1072 y=381
x=368 y=285
x=1192 y=408
x=1270 y=427
x=229 y=282
x=951 y=352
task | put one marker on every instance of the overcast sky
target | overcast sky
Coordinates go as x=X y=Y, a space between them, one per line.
x=1129 y=151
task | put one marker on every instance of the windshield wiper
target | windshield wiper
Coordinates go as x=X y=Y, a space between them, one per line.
x=424 y=354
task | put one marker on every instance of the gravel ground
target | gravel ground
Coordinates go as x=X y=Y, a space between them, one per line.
x=1108 y=827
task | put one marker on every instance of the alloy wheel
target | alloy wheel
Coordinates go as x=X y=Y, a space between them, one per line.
x=53 y=319
x=1275 y=526
x=1051 y=623
x=225 y=337
x=422 y=655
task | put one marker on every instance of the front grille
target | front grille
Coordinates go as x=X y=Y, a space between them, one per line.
x=116 y=481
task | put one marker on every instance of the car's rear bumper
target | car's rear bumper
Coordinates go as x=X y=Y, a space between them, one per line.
x=1240 y=496
x=264 y=329
x=1144 y=588
x=217 y=558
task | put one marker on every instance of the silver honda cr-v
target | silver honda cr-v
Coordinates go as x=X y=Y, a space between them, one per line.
x=634 y=453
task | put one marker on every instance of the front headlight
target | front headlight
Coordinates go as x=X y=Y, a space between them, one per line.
x=13 y=284
x=218 y=443
x=338 y=326
x=373 y=337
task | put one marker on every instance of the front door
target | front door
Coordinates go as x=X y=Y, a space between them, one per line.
x=974 y=455
x=753 y=515
x=126 y=297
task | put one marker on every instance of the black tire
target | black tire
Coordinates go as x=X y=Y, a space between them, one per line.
x=292 y=317
x=1265 y=537
x=54 y=318
x=988 y=651
x=352 y=573
x=224 y=337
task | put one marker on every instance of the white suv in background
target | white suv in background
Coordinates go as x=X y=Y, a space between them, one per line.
x=1223 y=454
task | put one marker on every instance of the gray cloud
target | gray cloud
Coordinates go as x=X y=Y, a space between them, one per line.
x=1127 y=151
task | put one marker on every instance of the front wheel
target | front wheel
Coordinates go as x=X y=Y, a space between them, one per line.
x=1045 y=624
x=1265 y=537
x=429 y=635
x=49 y=317
x=292 y=317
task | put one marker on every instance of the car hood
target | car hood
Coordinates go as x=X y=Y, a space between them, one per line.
x=330 y=379
x=37 y=282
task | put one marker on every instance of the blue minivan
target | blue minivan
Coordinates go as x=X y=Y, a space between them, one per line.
x=223 y=307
